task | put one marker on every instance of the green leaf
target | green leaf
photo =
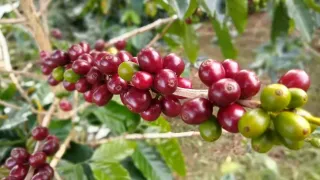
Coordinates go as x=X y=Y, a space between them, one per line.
x=191 y=9
x=313 y=5
x=109 y=171
x=141 y=40
x=60 y=128
x=238 y=11
x=209 y=6
x=224 y=40
x=71 y=171
x=171 y=152
x=105 y=6
x=130 y=16
x=8 y=92
x=150 y=163
x=17 y=117
x=162 y=123
x=43 y=94
x=180 y=7
x=116 y=117
x=280 y=21
x=135 y=173
x=190 y=43
x=151 y=8
x=114 y=151
x=78 y=153
x=300 y=13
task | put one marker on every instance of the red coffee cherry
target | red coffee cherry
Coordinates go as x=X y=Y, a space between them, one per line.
x=211 y=71
x=85 y=46
x=69 y=86
x=171 y=106
x=65 y=105
x=46 y=70
x=102 y=95
x=98 y=57
x=188 y=21
x=165 y=82
x=39 y=133
x=94 y=76
x=81 y=67
x=231 y=67
x=196 y=111
x=10 y=163
x=18 y=172
x=120 y=45
x=82 y=85
x=99 y=45
x=44 y=55
x=229 y=117
x=21 y=155
x=153 y=111
x=116 y=85
x=142 y=80
x=136 y=100
x=48 y=62
x=47 y=169
x=56 y=33
x=184 y=83
x=52 y=82
x=174 y=62
x=224 y=92
x=86 y=57
x=75 y=51
x=109 y=64
x=124 y=56
x=41 y=176
x=68 y=66
x=37 y=159
x=249 y=83
x=88 y=96
x=296 y=78
x=50 y=147
x=150 y=60
x=52 y=137
x=134 y=59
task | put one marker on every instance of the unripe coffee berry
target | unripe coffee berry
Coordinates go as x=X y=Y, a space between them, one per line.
x=70 y=76
x=57 y=73
x=39 y=133
x=127 y=69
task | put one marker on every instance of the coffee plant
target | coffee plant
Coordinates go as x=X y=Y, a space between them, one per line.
x=99 y=101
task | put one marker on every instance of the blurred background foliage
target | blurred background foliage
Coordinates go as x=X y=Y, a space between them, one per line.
x=268 y=36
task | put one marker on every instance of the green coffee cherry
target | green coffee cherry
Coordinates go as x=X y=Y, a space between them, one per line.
x=57 y=73
x=298 y=98
x=127 y=69
x=70 y=76
x=210 y=130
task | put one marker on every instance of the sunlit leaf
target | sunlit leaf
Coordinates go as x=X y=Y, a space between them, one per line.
x=180 y=7
x=238 y=10
x=109 y=171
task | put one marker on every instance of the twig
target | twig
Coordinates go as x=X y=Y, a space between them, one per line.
x=6 y=104
x=158 y=36
x=57 y=157
x=193 y=93
x=44 y=6
x=24 y=73
x=57 y=176
x=140 y=30
x=13 y=20
x=167 y=135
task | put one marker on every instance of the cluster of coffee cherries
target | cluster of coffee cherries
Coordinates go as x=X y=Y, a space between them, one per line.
x=20 y=160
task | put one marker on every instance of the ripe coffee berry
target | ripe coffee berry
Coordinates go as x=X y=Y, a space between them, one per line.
x=184 y=83
x=39 y=133
x=249 y=83
x=171 y=106
x=134 y=59
x=196 y=111
x=124 y=56
x=41 y=176
x=82 y=85
x=188 y=21
x=296 y=78
x=86 y=57
x=224 y=92
x=52 y=81
x=142 y=80
x=81 y=67
x=85 y=47
x=47 y=169
x=59 y=58
x=120 y=45
x=75 y=51
x=19 y=172
x=20 y=155
x=211 y=71
x=116 y=84
x=109 y=64
x=99 y=45
x=37 y=159
x=10 y=163
x=97 y=58
x=50 y=147
x=229 y=117
x=136 y=100
x=231 y=67
x=174 y=62
x=94 y=76
x=150 y=60
x=153 y=112
x=65 y=105
x=69 y=86
x=165 y=82
x=88 y=96
x=102 y=95
x=56 y=33
x=52 y=137
x=46 y=70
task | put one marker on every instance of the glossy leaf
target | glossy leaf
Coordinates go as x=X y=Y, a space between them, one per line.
x=71 y=171
x=135 y=173
x=190 y=43
x=180 y=7
x=109 y=171
x=192 y=8
x=114 y=151
x=17 y=117
x=77 y=153
x=141 y=40
x=43 y=94
x=8 y=92
x=238 y=11
x=280 y=21
x=162 y=123
x=60 y=128
x=224 y=40
x=300 y=13
x=150 y=163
